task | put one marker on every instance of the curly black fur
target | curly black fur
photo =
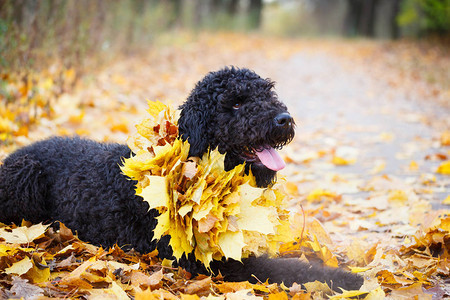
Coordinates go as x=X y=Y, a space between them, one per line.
x=79 y=183
x=235 y=110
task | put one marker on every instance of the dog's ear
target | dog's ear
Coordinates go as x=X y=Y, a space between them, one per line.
x=193 y=126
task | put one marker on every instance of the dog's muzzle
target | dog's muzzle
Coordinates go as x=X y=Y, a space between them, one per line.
x=281 y=134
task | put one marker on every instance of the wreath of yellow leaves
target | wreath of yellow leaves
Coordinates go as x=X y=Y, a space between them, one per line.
x=206 y=210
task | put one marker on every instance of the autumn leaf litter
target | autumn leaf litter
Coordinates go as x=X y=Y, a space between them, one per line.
x=381 y=225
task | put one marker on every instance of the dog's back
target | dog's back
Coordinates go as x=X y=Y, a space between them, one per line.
x=72 y=180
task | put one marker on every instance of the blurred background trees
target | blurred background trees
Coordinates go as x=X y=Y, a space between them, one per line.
x=33 y=30
x=47 y=46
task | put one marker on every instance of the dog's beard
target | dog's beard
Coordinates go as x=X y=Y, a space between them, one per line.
x=261 y=155
x=264 y=176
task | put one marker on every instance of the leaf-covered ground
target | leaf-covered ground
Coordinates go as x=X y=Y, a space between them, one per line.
x=368 y=173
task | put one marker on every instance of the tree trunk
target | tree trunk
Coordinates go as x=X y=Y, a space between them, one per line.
x=360 y=18
x=177 y=11
x=255 y=13
x=394 y=28
x=197 y=13
x=367 y=24
x=232 y=8
x=352 y=17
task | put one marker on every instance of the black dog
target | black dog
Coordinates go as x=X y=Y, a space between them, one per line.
x=238 y=112
x=79 y=182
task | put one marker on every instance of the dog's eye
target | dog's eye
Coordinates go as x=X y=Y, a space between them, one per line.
x=236 y=105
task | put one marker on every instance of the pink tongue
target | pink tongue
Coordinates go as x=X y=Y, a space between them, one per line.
x=271 y=159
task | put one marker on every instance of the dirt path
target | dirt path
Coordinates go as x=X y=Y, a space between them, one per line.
x=380 y=129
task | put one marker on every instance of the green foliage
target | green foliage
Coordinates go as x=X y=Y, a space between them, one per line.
x=425 y=16
x=409 y=14
x=437 y=14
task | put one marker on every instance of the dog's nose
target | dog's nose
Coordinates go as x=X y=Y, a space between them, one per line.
x=283 y=120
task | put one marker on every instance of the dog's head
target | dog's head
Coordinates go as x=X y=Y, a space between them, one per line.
x=238 y=112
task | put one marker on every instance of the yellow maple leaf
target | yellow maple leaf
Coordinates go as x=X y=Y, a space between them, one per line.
x=159 y=294
x=156 y=193
x=445 y=138
x=444 y=168
x=446 y=200
x=291 y=188
x=246 y=217
x=278 y=296
x=398 y=196
x=23 y=235
x=349 y=295
x=5 y=250
x=445 y=224
x=413 y=166
x=323 y=252
x=318 y=230
x=21 y=267
x=39 y=274
x=155 y=108
x=228 y=287
x=386 y=278
x=359 y=269
x=320 y=195
x=231 y=244
x=78 y=118
x=376 y=294
x=317 y=286
x=163 y=225
x=158 y=130
x=27 y=266
x=340 y=161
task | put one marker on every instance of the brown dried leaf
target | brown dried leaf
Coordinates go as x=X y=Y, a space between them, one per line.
x=22 y=289
x=153 y=281
x=414 y=291
x=199 y=286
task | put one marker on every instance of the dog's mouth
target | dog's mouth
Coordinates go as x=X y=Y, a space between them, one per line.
x=266 y=155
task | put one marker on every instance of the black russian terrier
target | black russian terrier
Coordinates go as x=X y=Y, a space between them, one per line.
x=79 y=182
